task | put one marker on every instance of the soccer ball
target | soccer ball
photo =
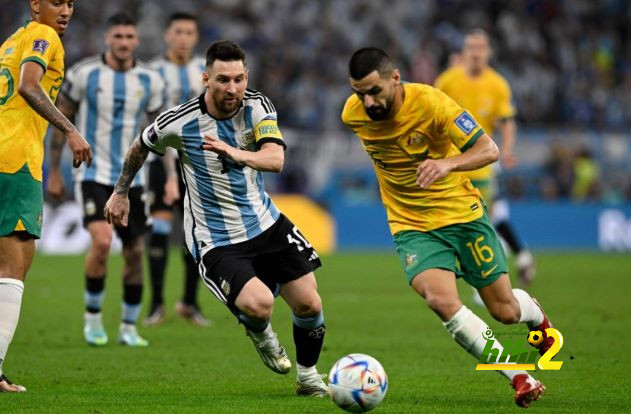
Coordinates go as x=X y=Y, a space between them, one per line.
x=535 y=338
x=358 y=383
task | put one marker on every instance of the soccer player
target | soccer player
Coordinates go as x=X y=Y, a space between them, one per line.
x=475 y=86
x=182 y=75
x=109 y=94
x=31 y=73
x=419 y=139
x=246 y=249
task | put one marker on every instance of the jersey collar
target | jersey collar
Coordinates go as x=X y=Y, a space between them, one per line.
x=105 y=63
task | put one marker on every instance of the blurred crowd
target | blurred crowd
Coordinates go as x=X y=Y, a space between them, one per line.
x=568 y=62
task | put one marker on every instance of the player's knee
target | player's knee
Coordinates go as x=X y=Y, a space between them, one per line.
x=444 y=305
x=507 y=313
x=259 y=305
x=309 y=307
x=101 y=245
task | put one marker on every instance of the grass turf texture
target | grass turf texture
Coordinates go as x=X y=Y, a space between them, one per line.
x=368 y=309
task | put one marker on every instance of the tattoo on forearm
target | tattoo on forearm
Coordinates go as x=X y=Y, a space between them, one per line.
x=38 y=100
x=134 y=159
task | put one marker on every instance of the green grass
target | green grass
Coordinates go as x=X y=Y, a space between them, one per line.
x=368 y=309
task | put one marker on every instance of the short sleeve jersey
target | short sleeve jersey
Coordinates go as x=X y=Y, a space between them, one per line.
x=22 y=129
x=225 y=202
x=111 y=108
x=182 y=82
x=430 y=125
x=488 y=97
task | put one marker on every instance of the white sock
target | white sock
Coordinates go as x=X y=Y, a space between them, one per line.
x=530 y=313
x=303 y=371
x=467 y=329
x=10 y=300
x=524 y=259
x=267 y=333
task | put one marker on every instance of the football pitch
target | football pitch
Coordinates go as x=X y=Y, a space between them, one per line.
x=368 y=308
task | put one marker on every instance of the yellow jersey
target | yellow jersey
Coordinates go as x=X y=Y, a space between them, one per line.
x=487 y=96
x=22 y=129
x=429 y=124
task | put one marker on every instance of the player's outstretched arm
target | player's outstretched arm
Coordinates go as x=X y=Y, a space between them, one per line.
x=482 y=153
x=117 y=207
x=271 y=156
x=31 y=90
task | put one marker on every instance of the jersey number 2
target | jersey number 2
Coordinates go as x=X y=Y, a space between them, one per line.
x=10 y=85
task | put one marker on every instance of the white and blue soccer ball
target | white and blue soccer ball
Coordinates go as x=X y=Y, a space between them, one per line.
x=358 y=383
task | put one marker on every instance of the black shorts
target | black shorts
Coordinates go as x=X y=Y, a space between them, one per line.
x=278 y=255
x=93 y=196
x=155 y=192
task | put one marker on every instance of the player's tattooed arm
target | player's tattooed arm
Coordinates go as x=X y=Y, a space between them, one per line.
x=31 y=90
x=136 y=156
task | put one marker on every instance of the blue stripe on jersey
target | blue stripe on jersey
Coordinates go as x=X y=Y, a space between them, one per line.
x=165 y=101
x=238 y=183
x=247 y=117
x=265 y=200
x=117 y=126
x=192 y=140
x=145 y=81
x=90 y=124
x=185 y=85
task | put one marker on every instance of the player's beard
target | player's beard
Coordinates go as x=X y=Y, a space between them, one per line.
x=379 y=113
x=228 y=107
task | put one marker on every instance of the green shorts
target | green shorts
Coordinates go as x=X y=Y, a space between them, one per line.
x=21 y=203
x=471 y=250
x=488 y=189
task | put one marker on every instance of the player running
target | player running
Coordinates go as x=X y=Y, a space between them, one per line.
x=418 y=139
x=474 y=85
x=182 y=75
x=31 y=73
x=109 y=95
x=246 y=249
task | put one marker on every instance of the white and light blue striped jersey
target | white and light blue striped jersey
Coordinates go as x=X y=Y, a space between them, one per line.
x=182 y=82
x=225 y=203
x=111 y=108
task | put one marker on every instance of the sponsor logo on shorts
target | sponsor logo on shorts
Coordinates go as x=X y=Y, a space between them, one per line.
x=90 y=208
x=410 y=259
x=225 y=286
x=488 y=272
x=40 y=46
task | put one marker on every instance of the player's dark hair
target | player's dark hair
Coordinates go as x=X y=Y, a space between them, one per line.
x=367 y=60
x=181 y=16
x=224 y=50
x=120 y=19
